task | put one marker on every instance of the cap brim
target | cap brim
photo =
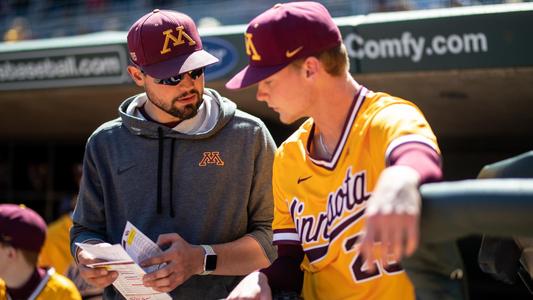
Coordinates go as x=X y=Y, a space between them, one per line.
x=251 y=75
x=180 y=64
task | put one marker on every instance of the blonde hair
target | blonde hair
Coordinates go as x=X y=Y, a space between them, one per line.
x=335 y=60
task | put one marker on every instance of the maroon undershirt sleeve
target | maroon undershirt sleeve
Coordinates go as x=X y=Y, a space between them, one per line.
x=284 y=274
x=421 y=157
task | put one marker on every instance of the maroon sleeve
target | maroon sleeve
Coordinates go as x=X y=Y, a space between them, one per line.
x=284 y=274
x=421 y=157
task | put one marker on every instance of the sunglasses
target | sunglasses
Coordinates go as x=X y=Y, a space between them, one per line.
x=175 y=80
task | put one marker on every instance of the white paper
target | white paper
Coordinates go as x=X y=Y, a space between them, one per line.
x=124 y=259
x=108 y=252
x=139 y=247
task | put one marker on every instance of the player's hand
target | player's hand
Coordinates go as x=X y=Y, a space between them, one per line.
x=98 y=277
x=182 y=261
x=252 y=287
x=392 y=216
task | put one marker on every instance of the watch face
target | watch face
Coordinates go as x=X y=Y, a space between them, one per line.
x=210 y=262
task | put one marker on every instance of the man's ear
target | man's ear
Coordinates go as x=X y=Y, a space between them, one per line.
x=311 y=66
x=136 y=75
x=12 y=253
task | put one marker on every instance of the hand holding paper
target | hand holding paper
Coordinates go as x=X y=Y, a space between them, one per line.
x=99 y=277
x=123 y=259
x=182 y=261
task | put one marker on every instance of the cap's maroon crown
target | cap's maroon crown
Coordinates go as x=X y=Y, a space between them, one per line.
x=22 y=227
x=166 y=43
x=282 y=34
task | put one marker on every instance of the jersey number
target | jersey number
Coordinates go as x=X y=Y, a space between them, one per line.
x=359 y=267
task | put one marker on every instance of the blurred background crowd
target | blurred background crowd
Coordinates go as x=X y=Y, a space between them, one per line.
x=36 y=19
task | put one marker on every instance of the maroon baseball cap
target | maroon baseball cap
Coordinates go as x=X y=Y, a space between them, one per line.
x=165 y=43
x=21 y=227
x=282 y=34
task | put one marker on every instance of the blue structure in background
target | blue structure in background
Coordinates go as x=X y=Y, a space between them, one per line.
x=54 y=18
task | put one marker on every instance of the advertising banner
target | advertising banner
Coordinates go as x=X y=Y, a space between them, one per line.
x=444 y=43
x=65 y=67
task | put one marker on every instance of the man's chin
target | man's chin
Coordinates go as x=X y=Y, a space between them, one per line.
x=286 y=119
x=188 y=113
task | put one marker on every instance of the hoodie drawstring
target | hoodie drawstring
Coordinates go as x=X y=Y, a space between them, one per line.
x=159 y=169
x=170 y=177
x=160 y=173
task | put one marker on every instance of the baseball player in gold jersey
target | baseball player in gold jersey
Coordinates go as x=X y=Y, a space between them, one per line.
x=346 y=182
x=22 y=234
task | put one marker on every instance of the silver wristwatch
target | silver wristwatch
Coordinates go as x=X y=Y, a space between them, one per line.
x=210 y=260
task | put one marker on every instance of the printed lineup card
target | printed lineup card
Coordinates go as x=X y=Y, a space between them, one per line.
x=139 y=247
x=125 y=259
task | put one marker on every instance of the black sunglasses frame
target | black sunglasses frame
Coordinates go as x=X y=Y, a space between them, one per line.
x=175 y=80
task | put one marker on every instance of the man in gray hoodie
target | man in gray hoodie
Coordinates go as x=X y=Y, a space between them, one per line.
x=183 y=165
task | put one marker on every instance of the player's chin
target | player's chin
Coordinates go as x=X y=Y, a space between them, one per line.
x=287 y=120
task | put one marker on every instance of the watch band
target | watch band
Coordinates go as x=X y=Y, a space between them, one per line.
x=208 y=252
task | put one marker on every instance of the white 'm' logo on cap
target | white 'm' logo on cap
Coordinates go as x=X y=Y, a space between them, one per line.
x=176 y=40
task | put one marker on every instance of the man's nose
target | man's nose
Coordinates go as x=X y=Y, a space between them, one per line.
x=261 y=95
x=187 y=81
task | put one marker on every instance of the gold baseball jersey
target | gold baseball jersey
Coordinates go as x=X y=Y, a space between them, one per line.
x=56 y=249
x=320 y=204
x=52 y=287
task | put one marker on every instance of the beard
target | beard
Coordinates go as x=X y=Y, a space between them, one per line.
x=182 y=113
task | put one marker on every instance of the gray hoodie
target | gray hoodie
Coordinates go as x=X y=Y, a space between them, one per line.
x=210 y=188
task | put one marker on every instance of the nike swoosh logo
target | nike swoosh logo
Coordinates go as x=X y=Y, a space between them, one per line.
x=292 y=53
x=123 y=169
x=300 y=179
